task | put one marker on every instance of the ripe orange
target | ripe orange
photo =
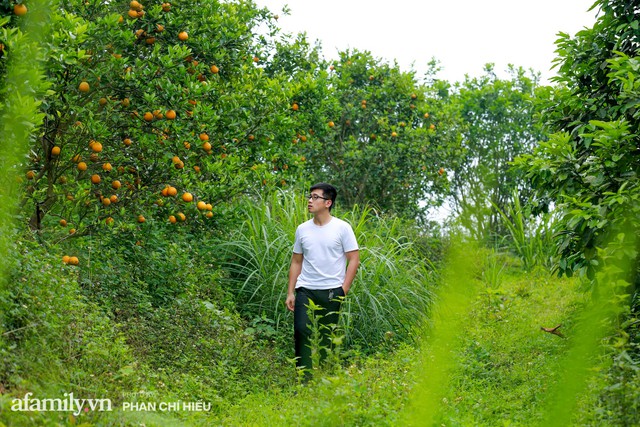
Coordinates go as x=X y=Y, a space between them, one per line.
x=432 y=127
x=83 y=87
x=414 y=96
x=96 y=147
x=256 y=59
x=150 y=40
x=204 y=137
x=426 y=115
x=331 y=124
x=187 y=144
x=20 y=9
x=72 y=231
x=175 y=159
x=125 y=102
x=440 y=171
x=172 y=191
x=295 y=107
x=74 y=260
x=103 y=101
x=159 y=28
x=394 y=134
x=126 y=142
x=55 y=151
x=214 y=69
x=116 y=184
x=172 y=219
x=201 y=205
x=166 y=7
x=251 y=137
x=196 y=168
x=95 y=178
x=183 y=36
x=106 y=201
x=113 y=198
x=135 y=5
x=209 y=214
x=179 y=165
x=206 y=146
x=82 y=166
x=141 y=219
x=181 y=216
x=187 y=197
x=31 y=174
x=209 y=206
x=107 y=167
x=170 y=115
x=148 y=116
x=65 y=259
x=158 y=114
x=63 y=222
x=108 y=221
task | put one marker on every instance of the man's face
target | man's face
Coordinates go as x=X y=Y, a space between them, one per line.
x=317 y=202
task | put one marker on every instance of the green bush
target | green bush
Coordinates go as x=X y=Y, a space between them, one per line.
x=55 y=338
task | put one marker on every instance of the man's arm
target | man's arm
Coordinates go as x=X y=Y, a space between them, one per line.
x=353 y=261
x=294 y=271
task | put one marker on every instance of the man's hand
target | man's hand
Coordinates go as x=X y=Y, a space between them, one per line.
x=291 y=301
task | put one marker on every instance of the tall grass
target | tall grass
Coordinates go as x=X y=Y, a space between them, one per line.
x=530 y=237
x=390 y=296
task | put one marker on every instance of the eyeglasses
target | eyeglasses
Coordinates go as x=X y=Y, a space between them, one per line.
x=316 y=197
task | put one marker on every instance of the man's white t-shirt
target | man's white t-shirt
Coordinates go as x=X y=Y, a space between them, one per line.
x=323 y=249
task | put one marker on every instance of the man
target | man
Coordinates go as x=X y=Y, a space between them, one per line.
x=324 y=263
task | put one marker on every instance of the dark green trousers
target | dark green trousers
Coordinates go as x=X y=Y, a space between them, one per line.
x=330 y=301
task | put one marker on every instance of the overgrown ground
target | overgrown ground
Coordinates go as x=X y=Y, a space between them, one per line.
x=500 y=368
x=503 y=365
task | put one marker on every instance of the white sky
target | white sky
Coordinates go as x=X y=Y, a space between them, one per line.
x=463 y=35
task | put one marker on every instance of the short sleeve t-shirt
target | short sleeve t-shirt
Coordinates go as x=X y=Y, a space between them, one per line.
x=323 y=249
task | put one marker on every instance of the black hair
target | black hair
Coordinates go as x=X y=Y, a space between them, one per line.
x=328 y=191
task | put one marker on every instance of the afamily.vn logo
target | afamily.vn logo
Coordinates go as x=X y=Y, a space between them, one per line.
x=67 y=404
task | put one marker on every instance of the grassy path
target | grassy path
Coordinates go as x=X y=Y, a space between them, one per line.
x=502 y=365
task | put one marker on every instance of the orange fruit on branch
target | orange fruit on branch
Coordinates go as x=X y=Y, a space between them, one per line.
x=20 y=9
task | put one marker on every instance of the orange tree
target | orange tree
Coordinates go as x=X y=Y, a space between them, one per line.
x=157 y=112
x=364 y=125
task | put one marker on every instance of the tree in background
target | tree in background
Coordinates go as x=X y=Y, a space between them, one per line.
x=493 y=122
x=365 y=126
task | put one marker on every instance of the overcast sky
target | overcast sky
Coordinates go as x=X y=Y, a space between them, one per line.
x=463 y=35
